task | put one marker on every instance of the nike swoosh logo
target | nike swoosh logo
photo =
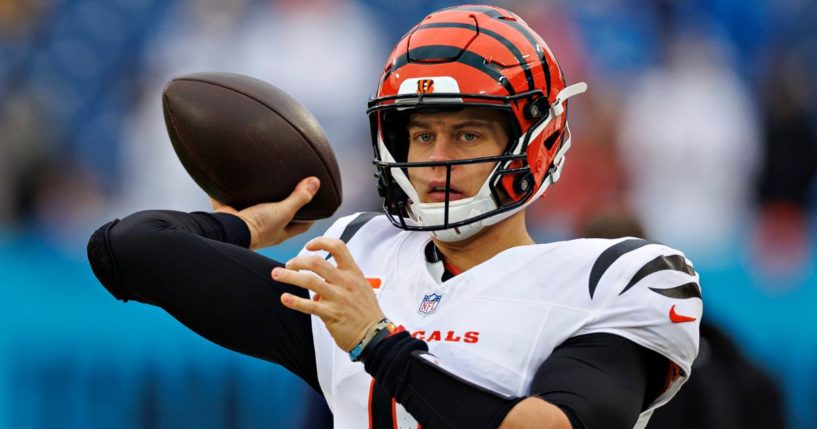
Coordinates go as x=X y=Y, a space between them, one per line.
x=679 y=318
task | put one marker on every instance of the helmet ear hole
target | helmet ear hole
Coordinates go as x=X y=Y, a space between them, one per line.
x=551 y=140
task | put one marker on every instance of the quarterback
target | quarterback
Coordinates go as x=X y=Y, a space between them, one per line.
x=441 y=311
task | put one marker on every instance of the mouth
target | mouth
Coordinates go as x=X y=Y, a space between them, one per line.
x=436 y=193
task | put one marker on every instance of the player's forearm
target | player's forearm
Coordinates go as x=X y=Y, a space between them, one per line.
x=435 y=397
x=535 y=413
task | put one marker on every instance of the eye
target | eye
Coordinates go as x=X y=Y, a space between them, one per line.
x=469 y=137
x=423 y=137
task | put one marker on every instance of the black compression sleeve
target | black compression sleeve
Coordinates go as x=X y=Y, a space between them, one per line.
x=600 y=380
x=196 y=267
x=435 y=397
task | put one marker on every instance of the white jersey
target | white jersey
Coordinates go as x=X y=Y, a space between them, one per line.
x=495 y=323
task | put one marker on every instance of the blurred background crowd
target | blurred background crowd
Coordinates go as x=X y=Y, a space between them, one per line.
x=699 y=125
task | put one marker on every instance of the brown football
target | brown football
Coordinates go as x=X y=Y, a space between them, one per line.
x=245 y=141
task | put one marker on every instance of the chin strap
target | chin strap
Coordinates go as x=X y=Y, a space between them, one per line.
x=558 y=161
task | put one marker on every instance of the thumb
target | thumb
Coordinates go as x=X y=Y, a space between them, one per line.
x=303 y=193
x=218 y=206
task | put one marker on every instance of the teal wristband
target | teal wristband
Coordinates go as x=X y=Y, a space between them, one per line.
x=379 y=330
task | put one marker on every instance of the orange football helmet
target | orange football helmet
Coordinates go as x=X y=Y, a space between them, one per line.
x=471 y=56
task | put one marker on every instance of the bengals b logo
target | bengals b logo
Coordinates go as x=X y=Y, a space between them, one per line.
x=425 y=86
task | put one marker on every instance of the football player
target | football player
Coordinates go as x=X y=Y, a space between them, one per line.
x=442 y=311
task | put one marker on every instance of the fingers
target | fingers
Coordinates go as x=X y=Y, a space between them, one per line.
x=303 y=279
x=215 y=204
x=220 y=207
x=303 y=193
x=317 y=265
x=300 y=304
x=338 y=250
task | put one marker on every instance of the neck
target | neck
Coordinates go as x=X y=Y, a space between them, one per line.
x=475 y=250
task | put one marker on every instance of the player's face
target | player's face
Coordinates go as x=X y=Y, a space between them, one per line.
x=445 y=136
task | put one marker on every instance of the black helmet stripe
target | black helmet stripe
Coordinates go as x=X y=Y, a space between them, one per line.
x=433 y=52
x=493 y=13
x=496 y=36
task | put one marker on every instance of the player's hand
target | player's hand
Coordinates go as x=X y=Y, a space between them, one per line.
x=344 y=299
x=271 y=223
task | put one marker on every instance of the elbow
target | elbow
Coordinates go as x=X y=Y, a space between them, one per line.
x=110 y=246
x=103 y=261
x=535 y=413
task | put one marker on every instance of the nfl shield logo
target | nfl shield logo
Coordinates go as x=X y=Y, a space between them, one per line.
x=429 y=304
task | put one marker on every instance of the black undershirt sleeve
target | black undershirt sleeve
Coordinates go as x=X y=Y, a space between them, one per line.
x=598 y=380
x=601 y=380
x=197 y=267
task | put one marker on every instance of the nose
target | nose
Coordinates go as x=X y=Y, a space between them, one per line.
x=443 y=149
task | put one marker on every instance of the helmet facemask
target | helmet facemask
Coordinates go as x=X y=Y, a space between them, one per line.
x=449 y=220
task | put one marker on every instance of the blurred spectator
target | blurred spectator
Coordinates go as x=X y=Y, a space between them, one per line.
x=23 y=138
x=42 y=189
x=20 y=21
x=19 y=17
x=612 y=220
x=619 y=36
x=689 y=139
x=725 y=391
x=789 y=164
x=65 y=200
x=24 y=143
